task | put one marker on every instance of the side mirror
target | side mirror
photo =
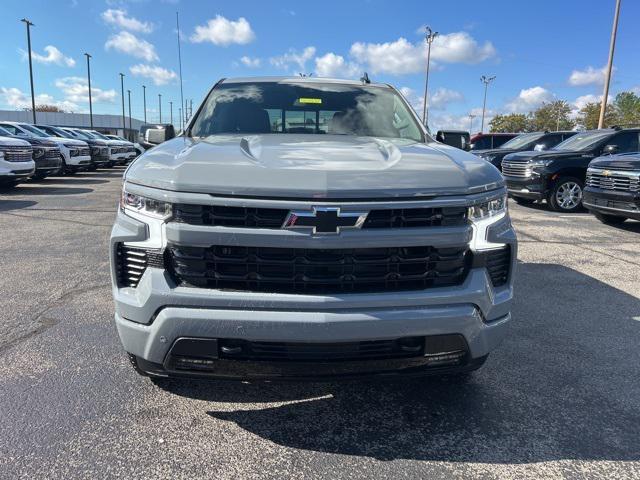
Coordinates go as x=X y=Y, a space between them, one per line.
x=157 y=134
x=610 y=149
x=540 y=147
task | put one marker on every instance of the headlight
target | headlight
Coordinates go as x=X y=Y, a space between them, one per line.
x=70 y=145
x=540 y=163
x=488 y=209
x=145 y=206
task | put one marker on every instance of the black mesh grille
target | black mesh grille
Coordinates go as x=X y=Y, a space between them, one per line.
x=498 y=263
x=274 y=217
x=287 y=270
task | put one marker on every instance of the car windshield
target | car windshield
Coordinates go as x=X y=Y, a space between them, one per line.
x=522 y=140
x=97 y=135
x=82 y=134
x=35 y=131
x=60 y=133
x=307 y=108
x=5 y=133
x=582 y=141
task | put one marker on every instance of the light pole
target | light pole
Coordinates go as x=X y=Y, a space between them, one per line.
x=160 y=106
x=181 y=119
x=486 y=80
x=144 y=102
x=612 y=47
x=124 y=123
x=471 y=117
x=129 y=95
x=33 y=97
x=171 y=113
x=89 y=82
x=430 y=37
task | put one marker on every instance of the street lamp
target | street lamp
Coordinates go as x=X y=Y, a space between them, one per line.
x=607 y=81
x=160 y=106
x=430 y=37
x=471 y=117
x=89 y=82
x=33 y=97
x=144 y=102
x=171 y=114
x=486 y=80
x=129 y=95
x=124 y=123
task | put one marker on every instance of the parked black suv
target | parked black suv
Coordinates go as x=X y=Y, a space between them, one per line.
x=46 y=153
x=483 y=141
x=538 y=141
x=558 y=175
x=98 y=148
x=612 y=191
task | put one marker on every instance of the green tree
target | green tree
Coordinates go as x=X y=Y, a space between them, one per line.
x=552 y=116
x=627 y=108
x=589 y=115
x=513 y=122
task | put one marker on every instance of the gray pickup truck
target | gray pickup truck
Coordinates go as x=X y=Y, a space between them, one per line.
x=307 y=228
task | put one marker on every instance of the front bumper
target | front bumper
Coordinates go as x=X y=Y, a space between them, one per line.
x=79 y=161
x=610 y=202
x=48 y=163
x=151 y=317
x=534 y=187
x=16 y=170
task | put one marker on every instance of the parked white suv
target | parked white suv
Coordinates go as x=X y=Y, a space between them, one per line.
x=75 y=154
x=135 y=149
x=118 y=148
x=16 y=160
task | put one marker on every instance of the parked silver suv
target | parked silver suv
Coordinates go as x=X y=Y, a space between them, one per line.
x=309 y=228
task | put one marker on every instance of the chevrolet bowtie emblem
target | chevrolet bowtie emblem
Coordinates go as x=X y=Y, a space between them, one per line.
x=606 y=173
x=324 y=220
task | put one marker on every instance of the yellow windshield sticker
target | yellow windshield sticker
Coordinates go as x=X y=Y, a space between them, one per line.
x=317 y=101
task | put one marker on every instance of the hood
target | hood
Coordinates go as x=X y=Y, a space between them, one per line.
x=618 y=162
x=494 y=151
x=69 y=141
x=97 y=143
x=42 y=142
x=312 y=166
x=13 y=142
x=544 y=155
x=113 y=143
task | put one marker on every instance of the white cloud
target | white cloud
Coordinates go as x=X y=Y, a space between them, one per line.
x=159 y=75
x=529 y=99
x=118 y=18
x=588 y=76
x=332 y=65
x=16 y=98
x=128 y=43
x=76 y=90
x=443 y=97
x=295 y=58
x=402 y=57
x=221 y=31
x=52 y=57
x=250 y=62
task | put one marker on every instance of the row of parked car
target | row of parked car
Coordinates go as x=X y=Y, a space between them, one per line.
x=595 y=169
x=30 y=151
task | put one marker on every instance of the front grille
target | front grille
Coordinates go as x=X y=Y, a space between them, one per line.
x=244 y=217
x=51 y=153
x=322 y=271
x=131 y=263
x=85 y=151
x=17 y=153
x=618 y=181
x=516 y=169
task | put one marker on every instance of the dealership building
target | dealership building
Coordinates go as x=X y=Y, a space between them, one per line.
x=109 y=124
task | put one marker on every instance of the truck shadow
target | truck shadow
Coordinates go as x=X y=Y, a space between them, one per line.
x=563 y=386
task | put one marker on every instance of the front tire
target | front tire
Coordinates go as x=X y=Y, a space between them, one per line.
x=610 y=219
x=566 y=195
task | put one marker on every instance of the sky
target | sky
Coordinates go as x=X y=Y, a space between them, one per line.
x=539 y=51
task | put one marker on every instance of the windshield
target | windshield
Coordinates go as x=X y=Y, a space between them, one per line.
x=35 y=131
x=323 y=108
x=60 y=133
x=5 y=133
x=97 y=135
x=582 y=141
x=522 y=140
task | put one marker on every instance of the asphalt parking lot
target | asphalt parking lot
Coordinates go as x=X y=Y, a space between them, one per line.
x=560 y=398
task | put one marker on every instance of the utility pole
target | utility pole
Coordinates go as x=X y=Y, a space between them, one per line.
x=124 y=123
x=471 y=117
x=144 y=102
x=130 y=130
x=430 y=36
x=181 y=119
x=33 y=97
x=607 y=80
x=180 y=64
x=171 y=114
x=191 y=108
x=160 y=106
x=486 y=80
x=89 y=82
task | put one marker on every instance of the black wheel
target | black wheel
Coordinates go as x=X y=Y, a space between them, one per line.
x=610 y=219
x=523 y=201
x=566 y=195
